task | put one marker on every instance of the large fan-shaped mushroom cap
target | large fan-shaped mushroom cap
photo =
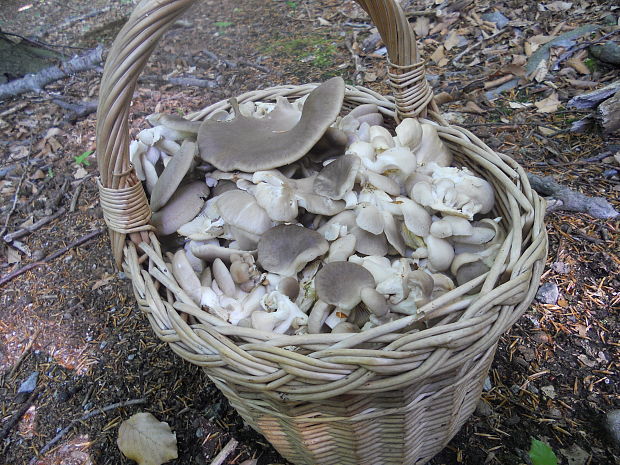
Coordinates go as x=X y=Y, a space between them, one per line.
x=243 y=144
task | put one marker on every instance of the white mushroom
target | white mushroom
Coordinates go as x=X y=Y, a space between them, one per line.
x=244 y=218
x=185 y=275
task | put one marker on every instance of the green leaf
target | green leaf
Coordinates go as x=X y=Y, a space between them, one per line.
x=542 y=454
x=223 y=24
x=82 y=159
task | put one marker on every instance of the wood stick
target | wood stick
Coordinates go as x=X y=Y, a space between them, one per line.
x=33 y=227
x=20 y=413
x=225 y=452
x=86 y=416
x=36 y=82
x=58 y=253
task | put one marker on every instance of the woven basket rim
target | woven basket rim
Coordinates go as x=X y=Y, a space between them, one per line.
x=334 y=355
x=324 y=365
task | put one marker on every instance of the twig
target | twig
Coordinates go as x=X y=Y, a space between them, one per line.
x=20 y=413
x=232 y=64
x=33 y=227
x=225 y=452
x=193 y=82
x=86 y=416
x=36 y=82
x=357 y=75
x=16 y=196
x=570 y=200
x=40 y=43
x=75 y=19
x=456 y=59
x=76 y=197
x=58 y=253
x=216 y=58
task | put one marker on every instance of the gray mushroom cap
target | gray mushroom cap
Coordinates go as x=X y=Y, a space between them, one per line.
x=341 y=284
x=286 y=249
x=172 y=175
x=181 y=208
x=337 y=178
x=242 y=144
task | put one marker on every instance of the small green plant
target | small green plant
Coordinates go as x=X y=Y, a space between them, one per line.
x=50 y=172
x=82 y=159
x=591 y=64
x=292 y=5
x=223 y=24
x=541 y=454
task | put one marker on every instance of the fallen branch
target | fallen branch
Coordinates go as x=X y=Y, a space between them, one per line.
x=86 y=416
x=36 y=82
x=10 y=237
x=570 y=200
x=77 y=110
x=58 y=253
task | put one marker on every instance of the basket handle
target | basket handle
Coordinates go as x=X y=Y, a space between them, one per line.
x=124 y=203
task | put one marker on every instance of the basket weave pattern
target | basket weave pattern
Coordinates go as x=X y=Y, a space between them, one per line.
x=395 y=394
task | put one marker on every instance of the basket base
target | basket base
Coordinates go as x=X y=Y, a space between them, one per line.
x=402 y=427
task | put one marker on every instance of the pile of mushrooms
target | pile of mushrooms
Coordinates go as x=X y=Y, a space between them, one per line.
x=294 y=219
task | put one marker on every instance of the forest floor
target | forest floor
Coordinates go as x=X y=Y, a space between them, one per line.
x=73 y=321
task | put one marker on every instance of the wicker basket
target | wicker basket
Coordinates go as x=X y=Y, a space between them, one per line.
x=390 y=395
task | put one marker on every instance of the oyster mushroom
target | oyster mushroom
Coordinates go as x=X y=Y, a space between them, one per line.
x=288 y=286
x=454 y=191
x=345 y=285
x=186 y=277
x=243 y=144
x=280 y=314
x=243 y=217
x=341 y=249
x=211 y=250
x=286 y=249
x=187 y=128
x=182 y=207
x=172 y=175
x=337 y=178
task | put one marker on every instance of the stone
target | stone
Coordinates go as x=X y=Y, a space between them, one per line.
x=483 y=409
x=496 y=17
x=27 y=386
x=549 y=391
x=548 y=293
x=609 y=52
x=612 y=425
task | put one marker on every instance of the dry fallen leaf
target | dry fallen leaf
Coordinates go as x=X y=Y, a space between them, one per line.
x=452 y=40
x=472 y=107
x=549 y=104
x=438 y=54
x=421 y=26
x=146 y=440
x=558 y=6
x=13 y=256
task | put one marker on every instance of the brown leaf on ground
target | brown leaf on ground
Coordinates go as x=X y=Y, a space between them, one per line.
x=549 y=104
